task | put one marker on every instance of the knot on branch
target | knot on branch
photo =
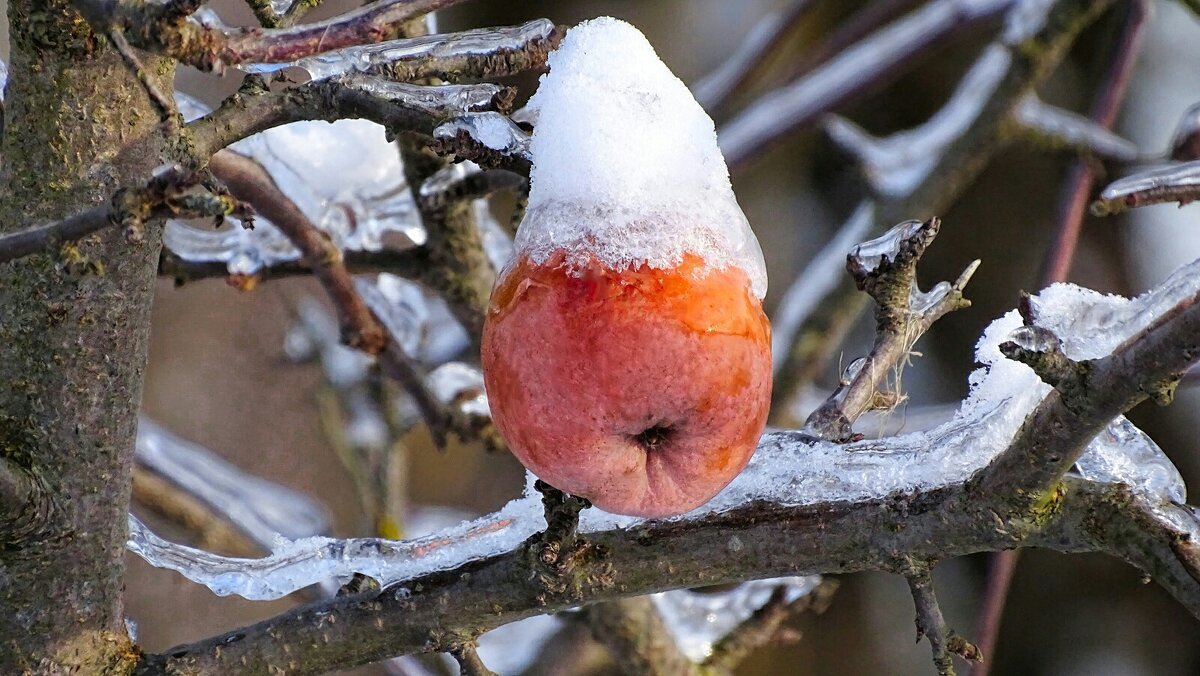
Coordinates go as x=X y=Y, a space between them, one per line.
x=558 y=557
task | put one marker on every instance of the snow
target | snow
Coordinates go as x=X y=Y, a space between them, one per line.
x=626 y=166
x=491 y=129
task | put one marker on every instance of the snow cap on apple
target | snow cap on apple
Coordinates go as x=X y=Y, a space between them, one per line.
x=626 y=356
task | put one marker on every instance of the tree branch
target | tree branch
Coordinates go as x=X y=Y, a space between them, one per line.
x=168 y=193
x=886 y=268
x=776 y=540
x=942 y=640
x=160 y=29
x=396 y=106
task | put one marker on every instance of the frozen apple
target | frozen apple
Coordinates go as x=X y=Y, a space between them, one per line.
x=626 y=355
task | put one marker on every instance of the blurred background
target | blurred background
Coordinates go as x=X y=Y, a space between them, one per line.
x=219 y=374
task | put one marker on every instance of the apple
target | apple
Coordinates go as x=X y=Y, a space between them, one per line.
x=643 y=389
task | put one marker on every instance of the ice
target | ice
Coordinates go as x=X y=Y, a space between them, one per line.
x=1147 y=186
x=883 y=249
x=490 y=129
x=282 y=7
x=1184 y=142
x=1122 y=453
x=437 y=100
x=344 y=176
x=368 y=58
x=259 y=508
x=295 y=564
x=698 y=620
x=1072 y=129
x=625 y=162
x=1035 y=339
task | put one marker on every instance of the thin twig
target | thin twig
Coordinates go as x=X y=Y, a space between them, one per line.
x=166 y=107
x=469 y=663
x=168 y=193
x=247 y=179
x=361 y=328
x=943 y=642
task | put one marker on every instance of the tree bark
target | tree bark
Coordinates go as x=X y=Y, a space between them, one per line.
x=73 y=336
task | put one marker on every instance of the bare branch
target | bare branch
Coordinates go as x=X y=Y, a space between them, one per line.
x=886 y=268
x=942 y=641
x=168 y=193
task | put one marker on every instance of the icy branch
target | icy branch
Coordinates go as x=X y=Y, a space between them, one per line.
x=1062 y=128
x=947 y=153
x=263 y=510
x=714 y=89
x=856 y=68
x=886 y=269
x=208 y=45
x=478 y=53
x=1176 y=183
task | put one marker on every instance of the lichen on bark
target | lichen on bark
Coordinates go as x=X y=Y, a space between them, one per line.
x=73 y=335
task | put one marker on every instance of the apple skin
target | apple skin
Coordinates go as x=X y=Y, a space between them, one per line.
x=644 y=390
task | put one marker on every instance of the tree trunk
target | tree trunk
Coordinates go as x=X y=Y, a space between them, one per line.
x=73 y=333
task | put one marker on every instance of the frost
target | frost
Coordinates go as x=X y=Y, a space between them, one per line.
x=259 y=508
x=366 y=58
x=697 y=620
x=625 y=162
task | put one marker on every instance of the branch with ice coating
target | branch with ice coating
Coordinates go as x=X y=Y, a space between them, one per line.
x=203 y=42
x=886 y=269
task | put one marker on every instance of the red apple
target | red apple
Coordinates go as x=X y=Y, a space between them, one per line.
x=642 y=389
